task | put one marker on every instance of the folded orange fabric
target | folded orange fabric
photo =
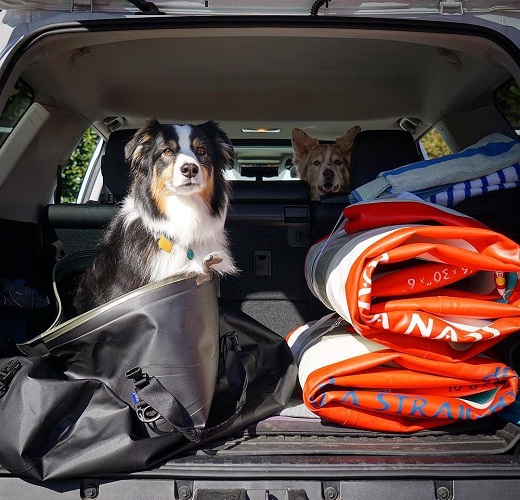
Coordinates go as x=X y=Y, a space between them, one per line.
x=418 y=278
x=358 y=383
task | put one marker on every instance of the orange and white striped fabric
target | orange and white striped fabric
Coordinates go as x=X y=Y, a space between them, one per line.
x=419 y=292
x=419 y=279
x=358 y=383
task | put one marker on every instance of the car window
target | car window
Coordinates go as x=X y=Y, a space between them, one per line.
x=268 y=160
x=21 y=98
x=432 y=145
x=507 y=100
x=71 y=177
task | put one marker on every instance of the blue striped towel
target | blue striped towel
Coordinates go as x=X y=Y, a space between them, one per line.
x=452 y=195
x=494 y=152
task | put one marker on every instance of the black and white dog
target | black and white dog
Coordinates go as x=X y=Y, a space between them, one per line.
x=172 y=220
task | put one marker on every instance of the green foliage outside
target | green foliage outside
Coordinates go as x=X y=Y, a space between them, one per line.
x=434 y=144
x=507 y=100
x=73 y=173
x=20 y=99
x=18 y=103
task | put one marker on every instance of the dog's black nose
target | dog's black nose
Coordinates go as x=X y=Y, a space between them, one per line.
x=189 y=170
x=328 y=174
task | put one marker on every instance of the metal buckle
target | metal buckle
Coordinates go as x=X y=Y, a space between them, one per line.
x=146 y=414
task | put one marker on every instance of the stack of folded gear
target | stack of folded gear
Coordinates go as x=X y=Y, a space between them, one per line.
x=421 y=297
x=491 y=164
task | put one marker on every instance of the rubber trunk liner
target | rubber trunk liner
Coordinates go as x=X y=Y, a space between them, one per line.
x=280 y=435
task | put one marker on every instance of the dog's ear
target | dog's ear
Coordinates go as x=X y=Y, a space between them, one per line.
x=346 y=140
x=226 y=152
x=139 y=143
x=303 y=143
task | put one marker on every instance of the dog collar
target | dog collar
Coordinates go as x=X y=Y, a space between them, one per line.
x=166 y=245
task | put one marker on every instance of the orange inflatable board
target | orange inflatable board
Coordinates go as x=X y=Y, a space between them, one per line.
x=358 y=383
x=419 y=279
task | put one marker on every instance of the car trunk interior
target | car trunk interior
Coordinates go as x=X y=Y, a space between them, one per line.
x=276 y=73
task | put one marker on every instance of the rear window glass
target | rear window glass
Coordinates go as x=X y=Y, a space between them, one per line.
x=507 y=100
x=71 y=177
x=21 y=98
x=433 y=146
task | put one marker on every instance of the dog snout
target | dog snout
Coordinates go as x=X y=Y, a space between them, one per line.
x=189 y=170
x=328 y=174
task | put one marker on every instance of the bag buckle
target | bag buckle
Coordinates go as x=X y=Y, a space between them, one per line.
x=145 y=413
x=6 y=375
x=140 y=379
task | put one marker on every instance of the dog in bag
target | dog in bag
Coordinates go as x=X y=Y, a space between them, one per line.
x=172 y=220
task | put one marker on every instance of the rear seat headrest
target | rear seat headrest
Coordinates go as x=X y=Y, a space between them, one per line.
x=114 y=167
x=293 y=191
x=375 y=151
x=116 y=177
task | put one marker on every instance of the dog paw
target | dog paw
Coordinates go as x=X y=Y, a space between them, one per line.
x=213 y=259
x=220 y=262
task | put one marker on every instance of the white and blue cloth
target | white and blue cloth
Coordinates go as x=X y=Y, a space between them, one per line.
x=450 y=196
x=491 y=164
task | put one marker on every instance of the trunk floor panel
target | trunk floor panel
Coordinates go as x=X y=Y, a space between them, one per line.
x=302 y=436
x=272 y=449
x=204 y=465
x=344 y=467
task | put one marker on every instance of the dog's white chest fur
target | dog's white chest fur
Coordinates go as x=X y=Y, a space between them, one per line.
x=191 y=234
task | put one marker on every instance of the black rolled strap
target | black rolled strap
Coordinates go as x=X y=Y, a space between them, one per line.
x=158 y=398
x=154 y=396
x=34 y=347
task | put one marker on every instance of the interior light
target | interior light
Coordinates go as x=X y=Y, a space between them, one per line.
x=261 y=130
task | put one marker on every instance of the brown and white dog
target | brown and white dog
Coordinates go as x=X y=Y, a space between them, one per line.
x=324 y=166
x=172 y=220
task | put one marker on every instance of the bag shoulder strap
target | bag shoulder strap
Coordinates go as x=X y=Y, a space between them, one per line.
x=154 y=401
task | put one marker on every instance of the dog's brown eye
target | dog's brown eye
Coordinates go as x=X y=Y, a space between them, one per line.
x=316 y=162
x=201 y=151
x=338 y=162
x=168 y=152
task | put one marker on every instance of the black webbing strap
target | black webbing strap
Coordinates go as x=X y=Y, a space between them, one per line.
x=34 y=347
x=155 y=397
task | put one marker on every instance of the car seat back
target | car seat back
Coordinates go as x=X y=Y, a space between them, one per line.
x=375 y=151
x=114 y=167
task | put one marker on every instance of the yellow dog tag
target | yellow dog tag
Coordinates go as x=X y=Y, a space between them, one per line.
x=165 y=244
